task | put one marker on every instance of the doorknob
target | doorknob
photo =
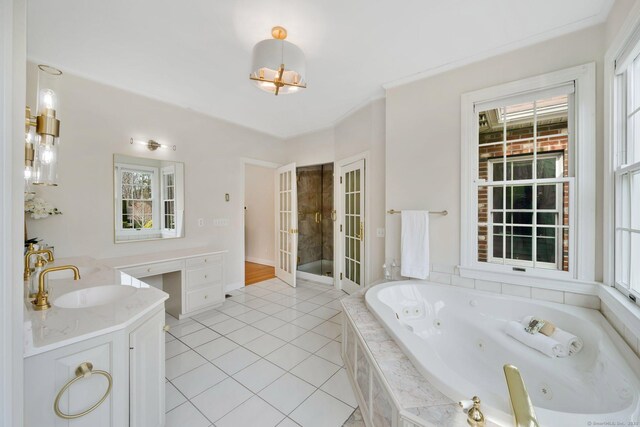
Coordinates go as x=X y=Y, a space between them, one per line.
x=360 y=236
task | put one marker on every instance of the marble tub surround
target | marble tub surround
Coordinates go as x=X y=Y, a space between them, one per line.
x=401 y=395
x=57 y=327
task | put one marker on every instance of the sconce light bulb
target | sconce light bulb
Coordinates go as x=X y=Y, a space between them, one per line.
x=47 y=155
x=47 y=99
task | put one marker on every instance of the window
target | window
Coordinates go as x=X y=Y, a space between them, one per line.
x=137 y=201
x=169 y=198
x=527 y=210
x=627 y=176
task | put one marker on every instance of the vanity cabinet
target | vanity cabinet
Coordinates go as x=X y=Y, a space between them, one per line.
x=194 y=283
x=132 y=357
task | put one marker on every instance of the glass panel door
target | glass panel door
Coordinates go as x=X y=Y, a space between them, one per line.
x=286 y=221
x=352 y=199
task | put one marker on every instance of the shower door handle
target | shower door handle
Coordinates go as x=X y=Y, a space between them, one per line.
x=317 y=220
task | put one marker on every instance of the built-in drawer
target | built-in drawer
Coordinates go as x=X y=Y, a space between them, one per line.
x=201 y=276
x=204 y=260
x=153 y=269
x=204 y=297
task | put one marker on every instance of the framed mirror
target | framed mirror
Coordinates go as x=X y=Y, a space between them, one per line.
x=148 y=199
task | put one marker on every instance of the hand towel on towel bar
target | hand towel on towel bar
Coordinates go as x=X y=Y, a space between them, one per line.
x=415 y=244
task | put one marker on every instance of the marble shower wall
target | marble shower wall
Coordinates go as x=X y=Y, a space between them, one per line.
x=315 y=201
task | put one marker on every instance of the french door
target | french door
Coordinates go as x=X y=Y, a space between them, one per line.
x=352 y=186
x=286 y=224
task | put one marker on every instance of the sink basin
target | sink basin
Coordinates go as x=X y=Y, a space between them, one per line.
x=91 y=297
x=68 y=274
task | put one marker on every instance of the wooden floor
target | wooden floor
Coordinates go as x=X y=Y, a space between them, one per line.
x=254 y=273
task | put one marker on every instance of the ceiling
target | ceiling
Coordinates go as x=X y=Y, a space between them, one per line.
x=196 y=53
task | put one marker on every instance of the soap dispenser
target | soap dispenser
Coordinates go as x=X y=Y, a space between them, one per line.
x=33 y=284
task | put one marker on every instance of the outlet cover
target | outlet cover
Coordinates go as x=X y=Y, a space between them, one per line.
x=200 y=222
x=380 y=232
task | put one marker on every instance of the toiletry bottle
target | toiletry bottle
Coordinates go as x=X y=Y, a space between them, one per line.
x=39 y=266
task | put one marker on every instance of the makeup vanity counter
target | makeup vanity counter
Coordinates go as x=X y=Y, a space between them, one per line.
x=100 y=353
x=193 y=278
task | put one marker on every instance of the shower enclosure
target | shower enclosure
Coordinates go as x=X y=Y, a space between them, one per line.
x=315 y=219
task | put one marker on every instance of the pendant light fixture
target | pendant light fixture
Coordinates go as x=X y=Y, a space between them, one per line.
x=278 y=66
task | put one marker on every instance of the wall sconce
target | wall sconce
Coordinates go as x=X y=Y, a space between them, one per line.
x=153 y=145
x=42 y=132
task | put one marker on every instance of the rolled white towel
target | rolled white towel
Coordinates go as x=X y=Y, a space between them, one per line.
x=542 y=343
x=570 y=344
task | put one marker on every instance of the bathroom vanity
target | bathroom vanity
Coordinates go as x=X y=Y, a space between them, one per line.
x=96 y=357
x=193 y=278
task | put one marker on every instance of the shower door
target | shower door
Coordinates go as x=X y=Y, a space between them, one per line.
x=352 y=192
x=286 y=224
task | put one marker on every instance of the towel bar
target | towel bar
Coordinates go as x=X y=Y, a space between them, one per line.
x=393 y=211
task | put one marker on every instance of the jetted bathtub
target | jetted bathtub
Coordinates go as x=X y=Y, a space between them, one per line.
x=455 y=337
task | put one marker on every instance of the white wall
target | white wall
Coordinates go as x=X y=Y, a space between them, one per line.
x=259 y=216
x=96 y=122
x=361 y=131
x=12 y=84
x=423 y=135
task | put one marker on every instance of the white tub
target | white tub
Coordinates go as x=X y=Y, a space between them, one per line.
x=455 y=337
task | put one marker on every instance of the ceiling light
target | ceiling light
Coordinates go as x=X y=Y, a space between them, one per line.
x=278 y=66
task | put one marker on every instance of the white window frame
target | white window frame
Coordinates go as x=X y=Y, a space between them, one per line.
x=582 y=192
x=559 y=200
x=623 y=53
x=128 y=233
x=168 y=232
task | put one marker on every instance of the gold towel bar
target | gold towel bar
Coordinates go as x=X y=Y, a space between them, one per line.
x=445 y=213
x=85 y=370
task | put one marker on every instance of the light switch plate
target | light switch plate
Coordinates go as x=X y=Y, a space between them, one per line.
x=221 y=222
x=380 y=232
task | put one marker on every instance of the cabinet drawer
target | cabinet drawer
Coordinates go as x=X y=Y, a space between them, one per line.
x=204 y=297
x=203 y=261
x=153 y=269
x=202 y=276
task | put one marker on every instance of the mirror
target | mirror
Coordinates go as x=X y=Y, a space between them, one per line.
x=148 y=199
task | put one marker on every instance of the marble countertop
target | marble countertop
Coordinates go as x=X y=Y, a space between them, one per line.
x=419 y=400
x=148 y=258
x=58 y=327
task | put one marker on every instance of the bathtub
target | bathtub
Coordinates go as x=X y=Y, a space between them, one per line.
x=455 y=337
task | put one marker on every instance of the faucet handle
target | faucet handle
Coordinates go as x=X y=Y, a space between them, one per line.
x=475 y=417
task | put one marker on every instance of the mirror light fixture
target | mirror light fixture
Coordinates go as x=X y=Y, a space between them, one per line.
x=152 y=145
x=278 y=66
x=42 y=132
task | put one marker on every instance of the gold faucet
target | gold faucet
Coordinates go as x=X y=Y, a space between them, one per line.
x=475 y=417
x=42 y=298
x=27 y=259
x=523 y=412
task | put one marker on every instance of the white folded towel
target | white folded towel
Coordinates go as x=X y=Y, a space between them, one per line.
x=415 y=244
x=542 y=343
x=569 y=344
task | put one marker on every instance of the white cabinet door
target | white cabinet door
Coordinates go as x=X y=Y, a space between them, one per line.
x=47 y=374
x=146 y=373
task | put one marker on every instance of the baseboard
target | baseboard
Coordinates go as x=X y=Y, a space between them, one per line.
x=233 y=286
x=254 y=260
x=315 y=277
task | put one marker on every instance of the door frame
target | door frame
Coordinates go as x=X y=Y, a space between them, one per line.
x=13 y=61
x=337 y=235
x=254 y=162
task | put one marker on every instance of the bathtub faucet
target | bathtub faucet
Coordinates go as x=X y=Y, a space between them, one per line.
x=475 y=417
x=523 y=412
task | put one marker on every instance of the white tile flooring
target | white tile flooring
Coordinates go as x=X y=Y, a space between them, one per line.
x=269 y=356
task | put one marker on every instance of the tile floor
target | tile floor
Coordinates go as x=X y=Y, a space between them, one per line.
x=269 y=356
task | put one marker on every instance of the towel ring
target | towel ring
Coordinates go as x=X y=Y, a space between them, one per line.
x=85 y=370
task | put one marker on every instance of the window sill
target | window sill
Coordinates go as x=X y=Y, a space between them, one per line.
x=626 y=310
x=523 y=279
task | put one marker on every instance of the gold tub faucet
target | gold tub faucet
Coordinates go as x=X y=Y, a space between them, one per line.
x=475 y=417
x=42 y=298
x=523 y=412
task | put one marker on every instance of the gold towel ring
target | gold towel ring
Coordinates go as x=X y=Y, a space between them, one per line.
x=85 y=370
